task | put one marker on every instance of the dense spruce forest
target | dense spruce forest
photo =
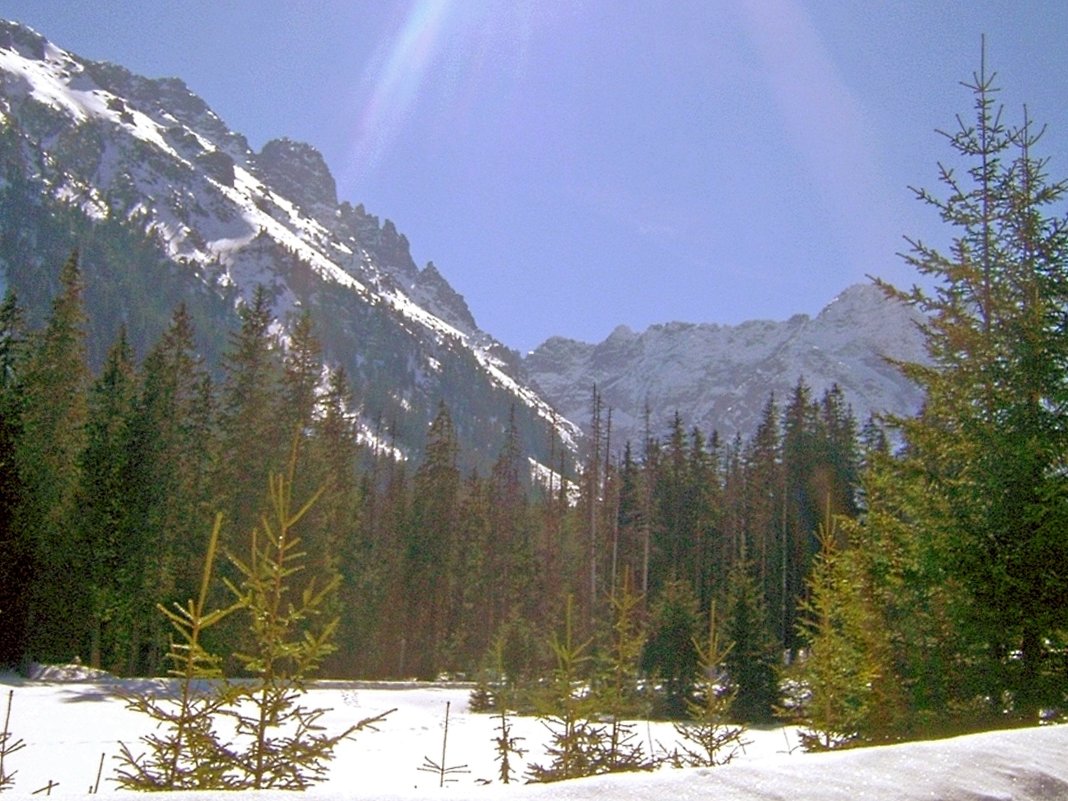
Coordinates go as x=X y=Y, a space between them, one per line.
x=904 y=576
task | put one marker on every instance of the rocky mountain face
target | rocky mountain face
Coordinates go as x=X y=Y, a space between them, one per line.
x=719 y=377
x=165 y=203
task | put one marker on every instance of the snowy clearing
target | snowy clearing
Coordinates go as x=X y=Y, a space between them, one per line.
x=68 y=718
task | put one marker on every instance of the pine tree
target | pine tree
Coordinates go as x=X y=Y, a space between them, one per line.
x=992 y=435
x=669 y=654
x=844 y=662
x=752 y=661
x=761 y=534
x=16 y=564
x=615 y=687
x=566 y=709
x=710 y=738
x=510 y=553
x=335 y=518
x=429 y=547
x=249 y=432
x=52 y=437
x=186 y=752
x=172 y=442
x=115 y=553
x=803 y=497
x=280 y=743
x=249 y=425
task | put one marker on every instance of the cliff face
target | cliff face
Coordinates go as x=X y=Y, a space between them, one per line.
x=719 y=377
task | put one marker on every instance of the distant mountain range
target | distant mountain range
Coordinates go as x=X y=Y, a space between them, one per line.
x=718 y=377
x=167 y=204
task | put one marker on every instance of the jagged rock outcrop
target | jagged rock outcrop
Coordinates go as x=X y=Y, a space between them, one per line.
x=719 y=377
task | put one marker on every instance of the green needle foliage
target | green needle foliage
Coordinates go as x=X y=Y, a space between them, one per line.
x=276 y=742
x=285 y=745
x=616 y=688
x=843 y=669
x=709 y=738
x=566 y=711
x=186 y=753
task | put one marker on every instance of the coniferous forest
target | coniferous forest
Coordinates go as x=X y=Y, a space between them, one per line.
x=878 y=579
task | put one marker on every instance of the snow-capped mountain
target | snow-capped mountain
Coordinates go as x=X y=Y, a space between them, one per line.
x=718 y=377
x=92 y=153
x=167 y=204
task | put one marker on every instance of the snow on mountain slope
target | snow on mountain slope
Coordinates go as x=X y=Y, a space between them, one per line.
x=718 y=377
x=118 y=146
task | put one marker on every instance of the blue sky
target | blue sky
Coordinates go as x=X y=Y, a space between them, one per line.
x=574 y=166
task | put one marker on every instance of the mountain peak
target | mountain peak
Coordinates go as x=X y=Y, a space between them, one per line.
x=299 y=172
x=719 y=376
x=22 y=39
x=90 y=145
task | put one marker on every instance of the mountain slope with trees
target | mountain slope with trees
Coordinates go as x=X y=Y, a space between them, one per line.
x=166 y=205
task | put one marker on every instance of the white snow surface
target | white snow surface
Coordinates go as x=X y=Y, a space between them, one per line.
x=69 y=716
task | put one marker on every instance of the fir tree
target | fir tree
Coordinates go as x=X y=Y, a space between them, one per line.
x=281 y=743
x=51 y=439
x=16 y=564
x=566 y=710
x=992 y=436
x=615 y=687
x=843 y=665
x=429 y=548
x=751 y=662
x=172 y=441
x=669 y=655
x=249 y=424
x=112 y=541
x=186 y=751
x=710 y=738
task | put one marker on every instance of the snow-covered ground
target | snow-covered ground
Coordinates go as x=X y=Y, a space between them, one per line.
x=68 y=718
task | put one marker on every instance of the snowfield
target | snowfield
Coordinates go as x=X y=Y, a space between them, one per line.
x=69 y=717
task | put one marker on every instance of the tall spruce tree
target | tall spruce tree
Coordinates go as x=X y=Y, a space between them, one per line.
x=762 y=534
x=510 y=559
x=670 y=653
x=853 y=692
x=15 y=566
x=115 y=553
x=249 y=425
x=250 y=431
x=752 y=661
x=429 y=547
x=172 y=440
x=992 y=437
x=52 y=437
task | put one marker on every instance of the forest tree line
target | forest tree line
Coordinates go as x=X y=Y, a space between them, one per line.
x=112 y=481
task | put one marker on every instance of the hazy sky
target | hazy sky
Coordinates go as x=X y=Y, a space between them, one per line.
x=573 y=166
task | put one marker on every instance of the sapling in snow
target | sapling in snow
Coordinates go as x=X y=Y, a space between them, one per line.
x=8 y=746
x=281 y=743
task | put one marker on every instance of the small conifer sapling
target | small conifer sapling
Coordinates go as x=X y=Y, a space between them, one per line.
x=8 y=746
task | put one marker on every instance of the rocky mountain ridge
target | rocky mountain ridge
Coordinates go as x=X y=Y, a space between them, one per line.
x=718 y=377
x=146 y=160
x=168 y=204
